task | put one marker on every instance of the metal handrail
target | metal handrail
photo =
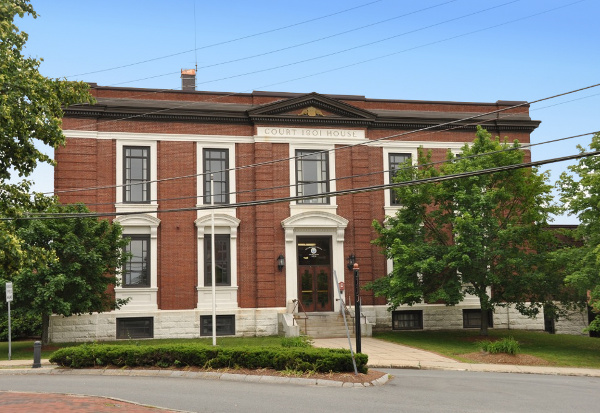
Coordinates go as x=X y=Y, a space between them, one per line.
x=344 y=307
x=350 y=312
x=298 y=305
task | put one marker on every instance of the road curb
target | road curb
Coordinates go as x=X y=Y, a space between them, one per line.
x=226 y=376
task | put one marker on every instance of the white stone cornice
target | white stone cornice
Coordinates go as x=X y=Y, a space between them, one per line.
x=314 y=220
x=411 y=145
x=178 y=137
x=221 y=220
x=141 y=220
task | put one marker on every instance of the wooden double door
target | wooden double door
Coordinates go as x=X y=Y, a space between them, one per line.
x=314 y=273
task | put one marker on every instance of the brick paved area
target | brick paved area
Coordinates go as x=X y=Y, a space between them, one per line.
x=62 y=403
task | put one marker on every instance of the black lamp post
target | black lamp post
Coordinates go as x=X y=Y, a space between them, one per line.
x=357 y=307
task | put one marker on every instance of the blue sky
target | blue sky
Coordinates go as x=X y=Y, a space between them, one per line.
x=462 y=50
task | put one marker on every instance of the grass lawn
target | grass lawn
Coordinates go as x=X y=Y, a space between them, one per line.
x=23 y=350
x=558 y=349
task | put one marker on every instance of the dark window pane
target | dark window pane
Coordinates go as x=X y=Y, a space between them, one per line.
x=137 y=269
x=222 y=260
x=225 y=325
x=312 y=176
x=472 y=318
x=395 y=162
x=138 y=327
x=216 y=162
x=136 y=174
x=407 y=320
x=314 y=251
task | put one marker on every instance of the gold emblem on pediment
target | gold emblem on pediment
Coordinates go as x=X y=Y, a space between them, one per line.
x=311 y=111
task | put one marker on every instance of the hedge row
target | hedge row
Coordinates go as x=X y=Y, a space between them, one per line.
x=182 y=355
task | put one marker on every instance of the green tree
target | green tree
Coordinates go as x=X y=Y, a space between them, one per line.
x=30 y=116
x=30 y=104
x=78 y=263
x=580 y=195
x=484 y=235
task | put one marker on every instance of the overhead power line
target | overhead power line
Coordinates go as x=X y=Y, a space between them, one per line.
x=321 y=56
x=370 y=59
x=338 y=148
x=321 y=195
x=512 y=148
x=317 y=73
x=229 y=41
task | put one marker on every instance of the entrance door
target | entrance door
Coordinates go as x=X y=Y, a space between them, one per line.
x=314 y=273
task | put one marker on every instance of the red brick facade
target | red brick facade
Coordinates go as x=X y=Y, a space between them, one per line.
x=179 y=124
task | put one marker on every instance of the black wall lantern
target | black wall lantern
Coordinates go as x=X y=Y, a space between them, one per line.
x=280 y=262
x=351 y=261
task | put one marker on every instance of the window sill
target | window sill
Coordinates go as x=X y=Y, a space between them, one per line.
x=141 y=298
x=226 y=298
x=300 y=208
x=120 y=208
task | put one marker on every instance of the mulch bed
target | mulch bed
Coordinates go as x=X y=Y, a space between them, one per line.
x=503 y=358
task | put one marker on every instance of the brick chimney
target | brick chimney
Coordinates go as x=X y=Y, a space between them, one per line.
x=188 y=80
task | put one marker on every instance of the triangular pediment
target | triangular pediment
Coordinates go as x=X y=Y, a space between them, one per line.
x=311 y=107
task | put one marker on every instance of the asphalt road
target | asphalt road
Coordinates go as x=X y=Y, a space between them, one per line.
x=408 y=391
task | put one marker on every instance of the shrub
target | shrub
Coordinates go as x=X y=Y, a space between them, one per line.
x=300 y=341
x=198 y=355
x=506 y=345
x=23 y=324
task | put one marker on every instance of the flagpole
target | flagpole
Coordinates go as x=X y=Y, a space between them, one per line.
x=212 y=260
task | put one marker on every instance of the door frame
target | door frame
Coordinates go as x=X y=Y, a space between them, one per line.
x=313 y=223
x=315 y=271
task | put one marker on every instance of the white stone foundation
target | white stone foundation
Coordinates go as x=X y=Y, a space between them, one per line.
x=167 y=324
x=267 y=321
x=441 y=317
x=574 y=323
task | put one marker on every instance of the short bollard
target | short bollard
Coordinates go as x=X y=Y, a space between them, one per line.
x=37 y=354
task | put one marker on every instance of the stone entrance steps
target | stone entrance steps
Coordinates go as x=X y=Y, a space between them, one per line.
x=326 y=325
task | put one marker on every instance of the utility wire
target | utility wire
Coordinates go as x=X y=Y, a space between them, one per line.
x=371 y=173
x=290 y=47
x=314 y=74
x=321 y=56
x=343 y=33
x=413 y=48
x=323 y=194
x=227 y=41
x=509 y=149
x=338 y=148
x=317 y=73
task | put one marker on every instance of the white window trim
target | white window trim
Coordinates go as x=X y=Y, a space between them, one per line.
x=120 y=206
x=296 y=208
x=390 y=209
x=200 y=170
x=226 y=295
x=141 y=298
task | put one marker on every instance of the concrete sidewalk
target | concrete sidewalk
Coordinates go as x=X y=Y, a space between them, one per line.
x=20 y=364
x=384 y=354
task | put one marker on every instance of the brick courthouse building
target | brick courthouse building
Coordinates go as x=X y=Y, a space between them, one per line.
x=152 y=151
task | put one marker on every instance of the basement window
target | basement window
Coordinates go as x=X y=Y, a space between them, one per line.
x=225 y=325
x=135 y=327
x=472 y=318
x=407 y=320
